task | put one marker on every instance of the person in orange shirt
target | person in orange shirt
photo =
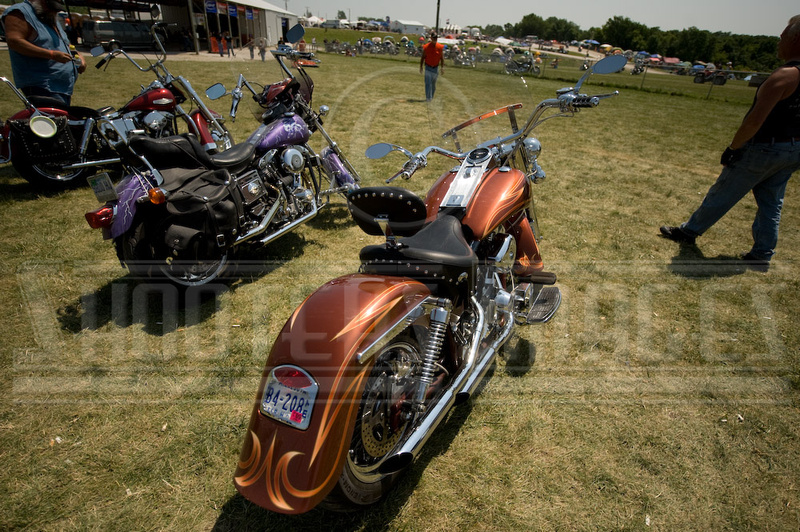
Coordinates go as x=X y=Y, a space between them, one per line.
x=432 y=60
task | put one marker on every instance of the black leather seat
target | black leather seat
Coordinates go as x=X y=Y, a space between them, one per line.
x=185 y=151
x=436 y=255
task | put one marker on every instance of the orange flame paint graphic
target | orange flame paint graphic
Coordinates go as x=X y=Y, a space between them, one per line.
x=263 y=464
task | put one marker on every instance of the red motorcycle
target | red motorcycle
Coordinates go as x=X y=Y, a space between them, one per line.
x=370 y=364
x=56 y=146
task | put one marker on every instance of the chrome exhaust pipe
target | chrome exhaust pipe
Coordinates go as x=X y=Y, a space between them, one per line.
x=301 y=220
x=89 y=164
x=268 y=219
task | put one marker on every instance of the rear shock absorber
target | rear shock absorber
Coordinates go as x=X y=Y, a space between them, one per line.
x=440 y=316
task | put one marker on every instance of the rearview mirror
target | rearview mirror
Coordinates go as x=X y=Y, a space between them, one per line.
x=610 y=64
x=378 y=151
x=216 y=91
x=295 y=33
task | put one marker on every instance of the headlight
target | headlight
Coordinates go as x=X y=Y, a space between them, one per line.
x=532 y=148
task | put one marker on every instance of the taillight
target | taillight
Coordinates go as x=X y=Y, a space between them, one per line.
x=292 y=377
x=100 y=218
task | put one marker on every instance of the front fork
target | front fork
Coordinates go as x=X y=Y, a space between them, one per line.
x=86 y=137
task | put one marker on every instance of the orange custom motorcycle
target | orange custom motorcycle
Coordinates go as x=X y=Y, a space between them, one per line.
x=369 y=365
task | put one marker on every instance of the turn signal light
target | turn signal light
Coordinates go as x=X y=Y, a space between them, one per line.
x=157 y=196
x=100 y=218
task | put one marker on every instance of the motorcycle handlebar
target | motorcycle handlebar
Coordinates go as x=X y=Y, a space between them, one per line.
x=236 y=97
x=573 y=101
x=566 y=102
x=412 y=165
x=292 y=53
x=586 y=101
x=401 y=173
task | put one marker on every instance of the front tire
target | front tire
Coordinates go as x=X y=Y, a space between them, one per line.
x=384 y=418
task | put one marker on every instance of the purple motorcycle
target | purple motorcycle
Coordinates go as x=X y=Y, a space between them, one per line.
x=181 y=212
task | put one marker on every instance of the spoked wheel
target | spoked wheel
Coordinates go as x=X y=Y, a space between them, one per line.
x=383 y=419
x=51 y=176
x=194 y=273
x=134 y=249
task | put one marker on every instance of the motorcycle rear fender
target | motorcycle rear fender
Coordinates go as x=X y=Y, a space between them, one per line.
x=5 y=142
x=128 y=191
x=334 y=336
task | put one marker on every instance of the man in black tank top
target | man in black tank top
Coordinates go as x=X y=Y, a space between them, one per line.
x=762 y=156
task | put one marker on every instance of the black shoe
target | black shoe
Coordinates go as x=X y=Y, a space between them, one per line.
x=677 y=234
x=754 y=263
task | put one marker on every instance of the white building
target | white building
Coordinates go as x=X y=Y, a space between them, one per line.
x=243 y=18
x=407 y=26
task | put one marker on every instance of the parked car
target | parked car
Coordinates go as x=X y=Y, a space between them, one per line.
x=130 y=35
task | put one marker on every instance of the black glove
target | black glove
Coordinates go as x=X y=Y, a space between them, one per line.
x=730 y=156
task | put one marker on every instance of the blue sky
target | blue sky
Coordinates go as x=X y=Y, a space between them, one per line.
x=749 y=17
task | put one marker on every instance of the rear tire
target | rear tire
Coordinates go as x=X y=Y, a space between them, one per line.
x=381 y=424
x=135 y=252
x=134 y=249
x=194 y=273
x=51 y=176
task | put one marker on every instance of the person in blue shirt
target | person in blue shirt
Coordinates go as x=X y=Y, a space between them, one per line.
x=41 y=59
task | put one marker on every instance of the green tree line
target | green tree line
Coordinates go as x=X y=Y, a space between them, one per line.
x=744 y=52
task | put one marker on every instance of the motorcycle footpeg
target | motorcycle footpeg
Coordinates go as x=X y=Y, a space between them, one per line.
x=548 y=278
x=545 y=305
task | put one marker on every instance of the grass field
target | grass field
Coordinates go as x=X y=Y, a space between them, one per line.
x=662 y=396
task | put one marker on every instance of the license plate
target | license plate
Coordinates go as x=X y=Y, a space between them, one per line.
x=102 y=187
x=289 y=399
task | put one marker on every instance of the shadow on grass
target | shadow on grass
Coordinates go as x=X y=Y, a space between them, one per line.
x=134 y=299
x=240 y=514
x=519 y=357
x=13 y=188
x=332 y=216
x=692 y=264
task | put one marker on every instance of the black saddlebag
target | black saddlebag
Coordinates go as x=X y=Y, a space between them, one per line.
x=25 y=144
x=205 y=210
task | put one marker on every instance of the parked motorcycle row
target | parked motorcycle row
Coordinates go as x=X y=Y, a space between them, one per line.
x=370 y=364
x=56 y=146
x=181 y=212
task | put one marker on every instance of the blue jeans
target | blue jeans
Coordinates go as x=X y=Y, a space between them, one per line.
x=431 y=74
x=763 y=168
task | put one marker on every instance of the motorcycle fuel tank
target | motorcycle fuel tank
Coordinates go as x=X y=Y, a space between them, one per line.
x=501 y=192
x=152 y=99
x=286 y=131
